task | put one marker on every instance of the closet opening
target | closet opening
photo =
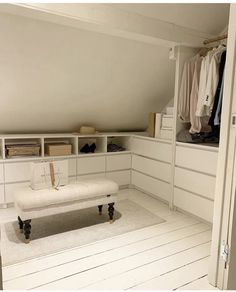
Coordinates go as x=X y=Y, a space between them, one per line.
x=89 y=69
x=198 y=111
x=201 y=94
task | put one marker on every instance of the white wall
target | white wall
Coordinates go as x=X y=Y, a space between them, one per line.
x=56 y=78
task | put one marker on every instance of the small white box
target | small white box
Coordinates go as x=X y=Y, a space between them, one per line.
x=170 y=111
x=158 y=122
x=41 y=177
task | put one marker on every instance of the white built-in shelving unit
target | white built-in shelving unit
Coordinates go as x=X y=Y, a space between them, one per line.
x=145 y=164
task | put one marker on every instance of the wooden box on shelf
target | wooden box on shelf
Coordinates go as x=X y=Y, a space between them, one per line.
x=58 y=149
x=22 y=150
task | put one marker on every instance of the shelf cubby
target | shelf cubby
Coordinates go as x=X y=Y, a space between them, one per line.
x=121 y=141
x=35 y=141
x=100 y=143
x=61 y=140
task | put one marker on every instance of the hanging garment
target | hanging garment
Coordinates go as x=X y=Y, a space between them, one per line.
x=218 y=90
x=219 y=106
x=200 y=111
x=194 y=120
x=185 y=90
x=213 y=79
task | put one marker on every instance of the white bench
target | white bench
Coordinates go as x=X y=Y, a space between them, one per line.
x=32 y=204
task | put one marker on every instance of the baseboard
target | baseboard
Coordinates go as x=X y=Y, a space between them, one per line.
x=192 y=215
x=152 y=195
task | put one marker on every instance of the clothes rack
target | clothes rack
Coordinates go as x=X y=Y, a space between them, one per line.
x=216 y=39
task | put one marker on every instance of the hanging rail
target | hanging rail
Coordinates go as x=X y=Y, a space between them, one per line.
x=216 y=39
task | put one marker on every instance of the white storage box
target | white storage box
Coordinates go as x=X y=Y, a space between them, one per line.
x=158 y=121
x=169 y=110
x=41 y=175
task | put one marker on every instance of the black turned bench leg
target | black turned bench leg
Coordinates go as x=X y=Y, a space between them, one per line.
x=100 y=209
x=111 y=211
x=20 y=222
x=27 y=230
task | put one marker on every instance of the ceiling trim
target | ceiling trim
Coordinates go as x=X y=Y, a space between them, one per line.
x=108 y=20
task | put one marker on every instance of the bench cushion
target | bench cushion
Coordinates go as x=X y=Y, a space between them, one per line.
x=26 y=198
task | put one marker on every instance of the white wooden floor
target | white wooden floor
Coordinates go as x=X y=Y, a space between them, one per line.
x=172 y=255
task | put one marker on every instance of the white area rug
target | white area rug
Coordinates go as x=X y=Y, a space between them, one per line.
x=59 y=232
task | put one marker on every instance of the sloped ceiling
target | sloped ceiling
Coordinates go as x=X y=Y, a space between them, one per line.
x=55 y=78
x=203 y=17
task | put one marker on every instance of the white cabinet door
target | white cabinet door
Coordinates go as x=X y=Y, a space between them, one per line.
x=72 y=179
x=118 y=162
x=195 y=182
x=122 y=178
x=17 y=171
x=1 y=173
x=21 y=171
x=153 y=149
x=193 y=204
x=86 y=165
x=91 y=176
x=2 y=196
x=151 y=167
x=151 y=185
x=196 y=159
x=72 y=167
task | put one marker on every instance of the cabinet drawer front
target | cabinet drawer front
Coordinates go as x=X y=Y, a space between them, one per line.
x=91 y=176
x=122 y=178
x=167 y=122
x=86 y=165
x=197 y=159
x=152 y=167
x=118 y=162
x=21 y=171
x=195 y=182
x=166 y=134
x=71 y=166
x=151 y=185
x=72 y=179
x=1 y=173
x=10 y=189
x=16 y=172
x=2 y=195
x=193 y=204
x=152 y=149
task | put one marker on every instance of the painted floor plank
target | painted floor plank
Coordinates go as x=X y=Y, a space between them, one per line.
x=133 y=262
x=146 y=272
x=177 y=278
x=139 y=250
x=199 y=284
x=136 y=275
x=32 y=266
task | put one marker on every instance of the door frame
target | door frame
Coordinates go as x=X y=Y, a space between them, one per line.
x=224 y=193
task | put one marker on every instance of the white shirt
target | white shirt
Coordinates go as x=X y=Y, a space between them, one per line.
x=213 y=79
x=201 y=110
x=209 y=77
x=194 y=120
x=185 y=90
